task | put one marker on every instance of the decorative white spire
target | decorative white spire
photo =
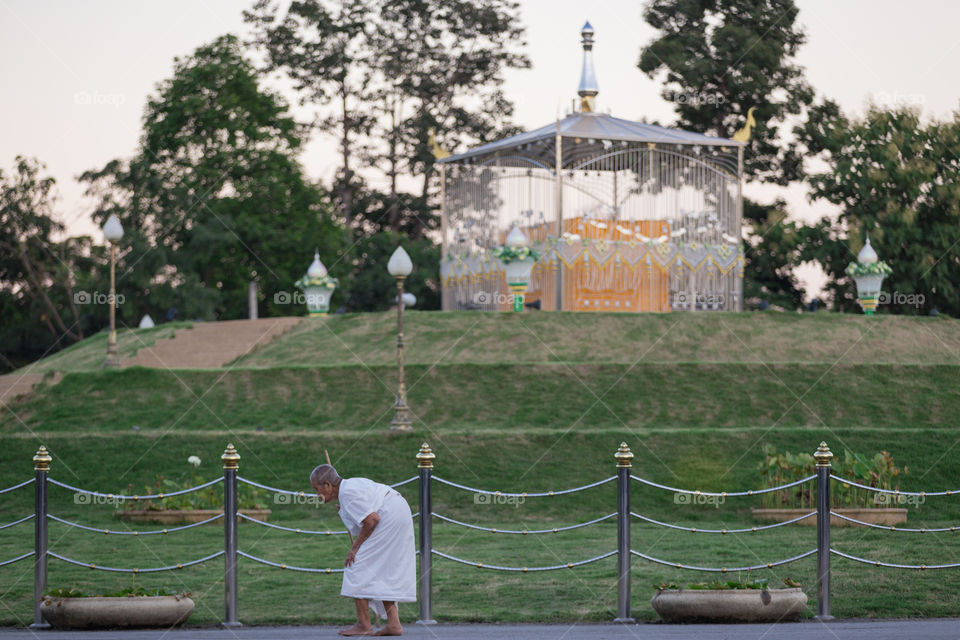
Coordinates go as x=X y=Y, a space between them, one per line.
x=316 y=270
x=516 y=238
x=588 y=89
x=867 y=255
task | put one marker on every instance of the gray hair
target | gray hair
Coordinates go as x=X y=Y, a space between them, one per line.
x=324 y=473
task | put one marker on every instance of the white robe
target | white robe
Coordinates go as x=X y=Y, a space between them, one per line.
x=385 y=566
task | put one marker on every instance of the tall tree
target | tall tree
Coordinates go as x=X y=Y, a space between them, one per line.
x=323 y=47
x=897 y=179
x=34 y=266
x=396 y=69
x=445 y=62
x=718 y=58
x=214 y=197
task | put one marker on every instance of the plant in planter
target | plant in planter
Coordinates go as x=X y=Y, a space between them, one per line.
x=877 y=471
x=729 y=601
x=129 y=607
x=190 y=507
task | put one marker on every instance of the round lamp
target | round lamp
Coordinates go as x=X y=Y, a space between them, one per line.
x=112 y=229
x=400 y=265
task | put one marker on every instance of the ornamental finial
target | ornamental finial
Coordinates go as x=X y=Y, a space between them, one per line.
x=316 y=268
x=868 y=254
x=823 y=455
x=588 y=89
x=624 y=456
x=425 y=457
x=230 y=457
x=41 y=461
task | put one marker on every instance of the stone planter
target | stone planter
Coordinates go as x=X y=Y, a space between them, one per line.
x=729 y=605
x=882 y=516
x=176 y=516
x=139 y=611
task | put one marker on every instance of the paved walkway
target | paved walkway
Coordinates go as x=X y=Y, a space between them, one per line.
x=211 y=345
x=838 y=630
x=18 y=384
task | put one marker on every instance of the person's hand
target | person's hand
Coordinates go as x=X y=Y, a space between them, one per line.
x=351 y=556
x=338 y=507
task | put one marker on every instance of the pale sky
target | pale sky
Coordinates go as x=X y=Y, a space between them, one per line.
x=76 y=74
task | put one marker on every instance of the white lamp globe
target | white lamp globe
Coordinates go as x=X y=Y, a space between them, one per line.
x=400 y=265
x=516 y=238
x=112 y=229
x=316 y=270
x=409 y=299
x=867 y=255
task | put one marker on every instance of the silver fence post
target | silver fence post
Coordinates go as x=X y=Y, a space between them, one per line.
x=231 y=466
x=624 y=458
x=425 y=467
x=823 y=457
x=41 y=469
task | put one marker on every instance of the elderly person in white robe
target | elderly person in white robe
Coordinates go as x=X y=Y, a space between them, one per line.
x=380 y=566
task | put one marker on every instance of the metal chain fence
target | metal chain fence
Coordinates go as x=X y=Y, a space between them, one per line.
x=425 y=551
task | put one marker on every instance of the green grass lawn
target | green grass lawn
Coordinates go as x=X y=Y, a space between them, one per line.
x=88 y=355
x=466 y=337
x=456 y=398
x=608 y=338
x=707 y=460
x=534 y=402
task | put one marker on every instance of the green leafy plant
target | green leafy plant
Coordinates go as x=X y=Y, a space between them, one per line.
x=777 y=469
x=325 y=280
x=207 y=498
x=726 y=585
x=879 y=268
x=508 y=253
x=126 y=592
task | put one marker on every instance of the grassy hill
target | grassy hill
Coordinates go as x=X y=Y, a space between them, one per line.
x=608 y=338
x=484 y=338
x=529 y=402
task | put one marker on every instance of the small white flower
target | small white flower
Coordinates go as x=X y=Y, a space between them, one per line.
x=194 y=460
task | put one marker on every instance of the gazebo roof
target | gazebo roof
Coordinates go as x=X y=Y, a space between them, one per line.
x=590 y=125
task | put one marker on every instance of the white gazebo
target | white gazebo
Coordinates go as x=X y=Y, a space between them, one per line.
x=625 y=216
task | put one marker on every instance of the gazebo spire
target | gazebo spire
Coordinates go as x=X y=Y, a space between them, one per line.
x=588 y=89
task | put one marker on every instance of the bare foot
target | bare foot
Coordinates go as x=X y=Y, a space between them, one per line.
x=390 y=631
x=357 y=630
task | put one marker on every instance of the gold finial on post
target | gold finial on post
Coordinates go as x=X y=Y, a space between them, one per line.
x=823 y=455
x=425 y=457
x=42 y=460
x=624 y=456
x=230 y=457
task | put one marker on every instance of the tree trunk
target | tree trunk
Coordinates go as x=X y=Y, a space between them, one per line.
x=394 y=213
x=41 y=294
x=346 y=187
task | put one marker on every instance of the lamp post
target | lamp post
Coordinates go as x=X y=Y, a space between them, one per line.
x=318 y=287
x=400 y=267
x=868 y=273
x=113 y=232
x=517 y=259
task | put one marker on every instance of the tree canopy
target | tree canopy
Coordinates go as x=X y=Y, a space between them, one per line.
x=896 y=178
x=719 y=58
x=38 y=270
x=383 y=73
x=214 y=197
